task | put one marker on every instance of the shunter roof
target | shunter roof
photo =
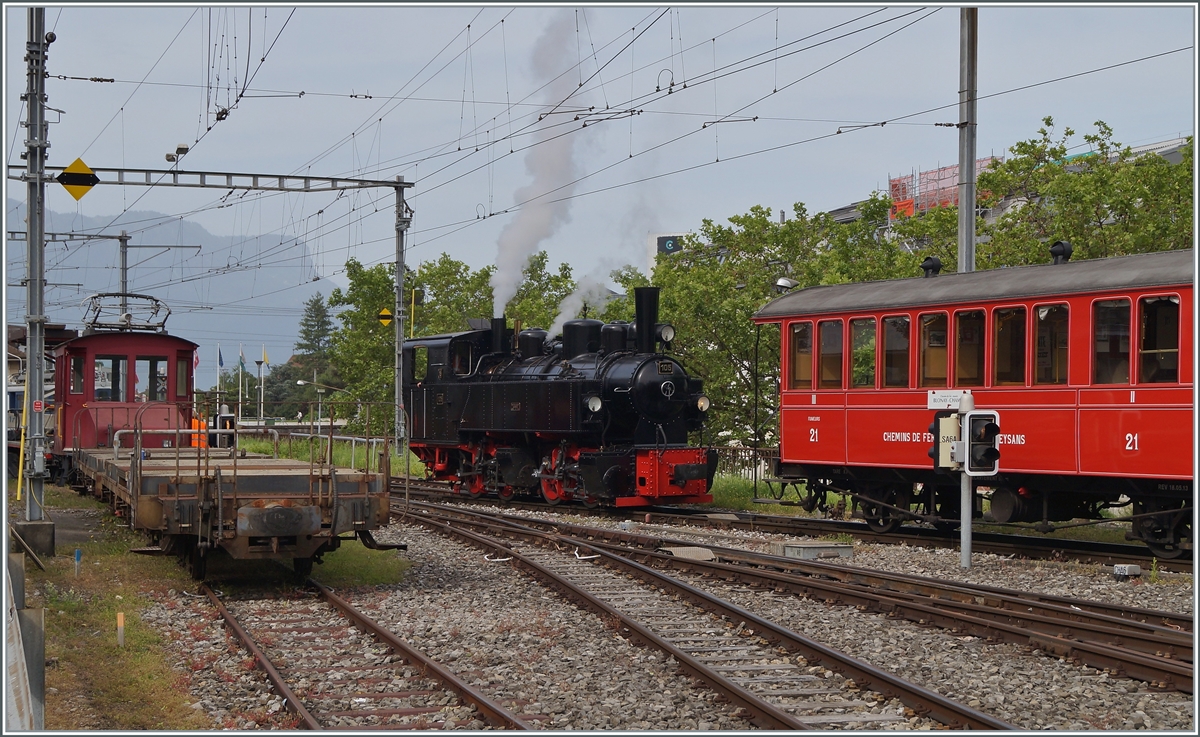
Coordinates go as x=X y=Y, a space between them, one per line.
x=1146 y=270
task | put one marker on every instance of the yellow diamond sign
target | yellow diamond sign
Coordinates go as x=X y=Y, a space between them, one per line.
x=385 y=317
x=78 y=179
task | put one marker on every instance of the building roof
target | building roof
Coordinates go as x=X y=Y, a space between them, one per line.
x=1146 y=270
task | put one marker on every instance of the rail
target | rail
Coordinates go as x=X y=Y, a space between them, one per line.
x=181 y=431
x=354 y=440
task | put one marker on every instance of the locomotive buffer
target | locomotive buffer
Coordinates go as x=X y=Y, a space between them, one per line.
x=966 y=441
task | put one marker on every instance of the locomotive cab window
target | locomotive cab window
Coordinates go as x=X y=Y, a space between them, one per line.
x=895 y=351
x=417 y=363
x=460 y=358
x=1008 y=350
x=1158 y=352
x=801 y=371
x=110 y=378
x=150 y=379
x=862 y=353
x=968 y=348
x=77 y=374
x=830 y=360
x=1051 y=336
x=1110 y=331
x=933 y=350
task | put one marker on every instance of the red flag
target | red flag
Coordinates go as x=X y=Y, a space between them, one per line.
x=195 y=359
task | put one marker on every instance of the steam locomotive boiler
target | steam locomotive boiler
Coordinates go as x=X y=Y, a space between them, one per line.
x=601 y=415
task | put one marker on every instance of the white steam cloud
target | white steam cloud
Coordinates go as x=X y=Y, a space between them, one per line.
x=551 y=163
x=588 y=290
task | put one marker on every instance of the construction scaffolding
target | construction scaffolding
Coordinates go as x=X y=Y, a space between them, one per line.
x=921 y=191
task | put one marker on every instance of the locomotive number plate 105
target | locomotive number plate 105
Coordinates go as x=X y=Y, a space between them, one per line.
x=665 y=368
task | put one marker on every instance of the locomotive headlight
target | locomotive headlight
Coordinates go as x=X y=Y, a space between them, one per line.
x=666 y=333
x=594 y=404
x=703 y=403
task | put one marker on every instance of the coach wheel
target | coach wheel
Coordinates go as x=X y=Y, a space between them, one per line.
x=1162 y=533
x=881 y=519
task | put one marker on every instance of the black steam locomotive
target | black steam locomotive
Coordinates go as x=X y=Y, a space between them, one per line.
x=599 y=415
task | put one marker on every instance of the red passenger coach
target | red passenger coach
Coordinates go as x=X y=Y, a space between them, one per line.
x=1089 y=364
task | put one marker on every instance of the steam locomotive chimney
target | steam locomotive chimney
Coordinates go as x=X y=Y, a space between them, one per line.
x=499 y=328
x=646 y=303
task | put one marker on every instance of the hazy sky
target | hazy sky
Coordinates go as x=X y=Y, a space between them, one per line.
x=450 y=98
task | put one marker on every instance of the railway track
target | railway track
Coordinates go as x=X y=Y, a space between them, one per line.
x=1037 y=548
x=337 y=669
x=777 y=679
x=1147 y=645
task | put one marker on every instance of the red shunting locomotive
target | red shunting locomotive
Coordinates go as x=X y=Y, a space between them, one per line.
x=1089 y=364
x=600 y=416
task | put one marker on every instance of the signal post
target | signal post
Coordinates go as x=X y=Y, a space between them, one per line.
x=966 y=441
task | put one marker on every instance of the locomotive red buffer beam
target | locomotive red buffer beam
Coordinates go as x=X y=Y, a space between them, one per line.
x=679 y=475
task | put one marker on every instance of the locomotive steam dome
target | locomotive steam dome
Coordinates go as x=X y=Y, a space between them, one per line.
x=660 y=389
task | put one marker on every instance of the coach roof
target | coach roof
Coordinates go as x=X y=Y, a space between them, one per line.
x=1146 y=270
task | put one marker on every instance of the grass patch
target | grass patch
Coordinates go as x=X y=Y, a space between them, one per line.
x=354 y=565
x=127 y=688
x=735 y=492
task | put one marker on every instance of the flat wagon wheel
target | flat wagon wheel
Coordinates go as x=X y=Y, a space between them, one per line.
x=197 y=563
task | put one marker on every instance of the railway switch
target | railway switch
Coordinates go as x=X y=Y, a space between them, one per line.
x=983 y=442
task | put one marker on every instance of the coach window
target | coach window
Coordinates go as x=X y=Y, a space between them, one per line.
x=1159 y=350
x=150 y=379
x=830 y=361
x=1008 y=350
x=933 y=350
x=895 y=351
x=1110 y=331
x=1051 y=343
x=801 y=375
x=77 y=374
x=862 y=353
x=968 y=348
x=110 y=378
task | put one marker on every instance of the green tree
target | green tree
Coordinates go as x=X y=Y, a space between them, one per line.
x=452 y=293
x=361 y=349
x=315 y=328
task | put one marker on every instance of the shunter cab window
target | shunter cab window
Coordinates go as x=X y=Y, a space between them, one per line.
x=895 y=351
x=110 y=378
x=1159 y=350
x=1110 y=331
x=77 y=374
x=1052 y=342
x=150 y=379
x=181 y=377
x=968 y=348
x=862 y=353
x=1008 y=351
x=830 y=359
x=801 y=373
x=933 y=350
x=419 y=363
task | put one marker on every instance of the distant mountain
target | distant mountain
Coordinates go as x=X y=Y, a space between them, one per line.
x=248 y=290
